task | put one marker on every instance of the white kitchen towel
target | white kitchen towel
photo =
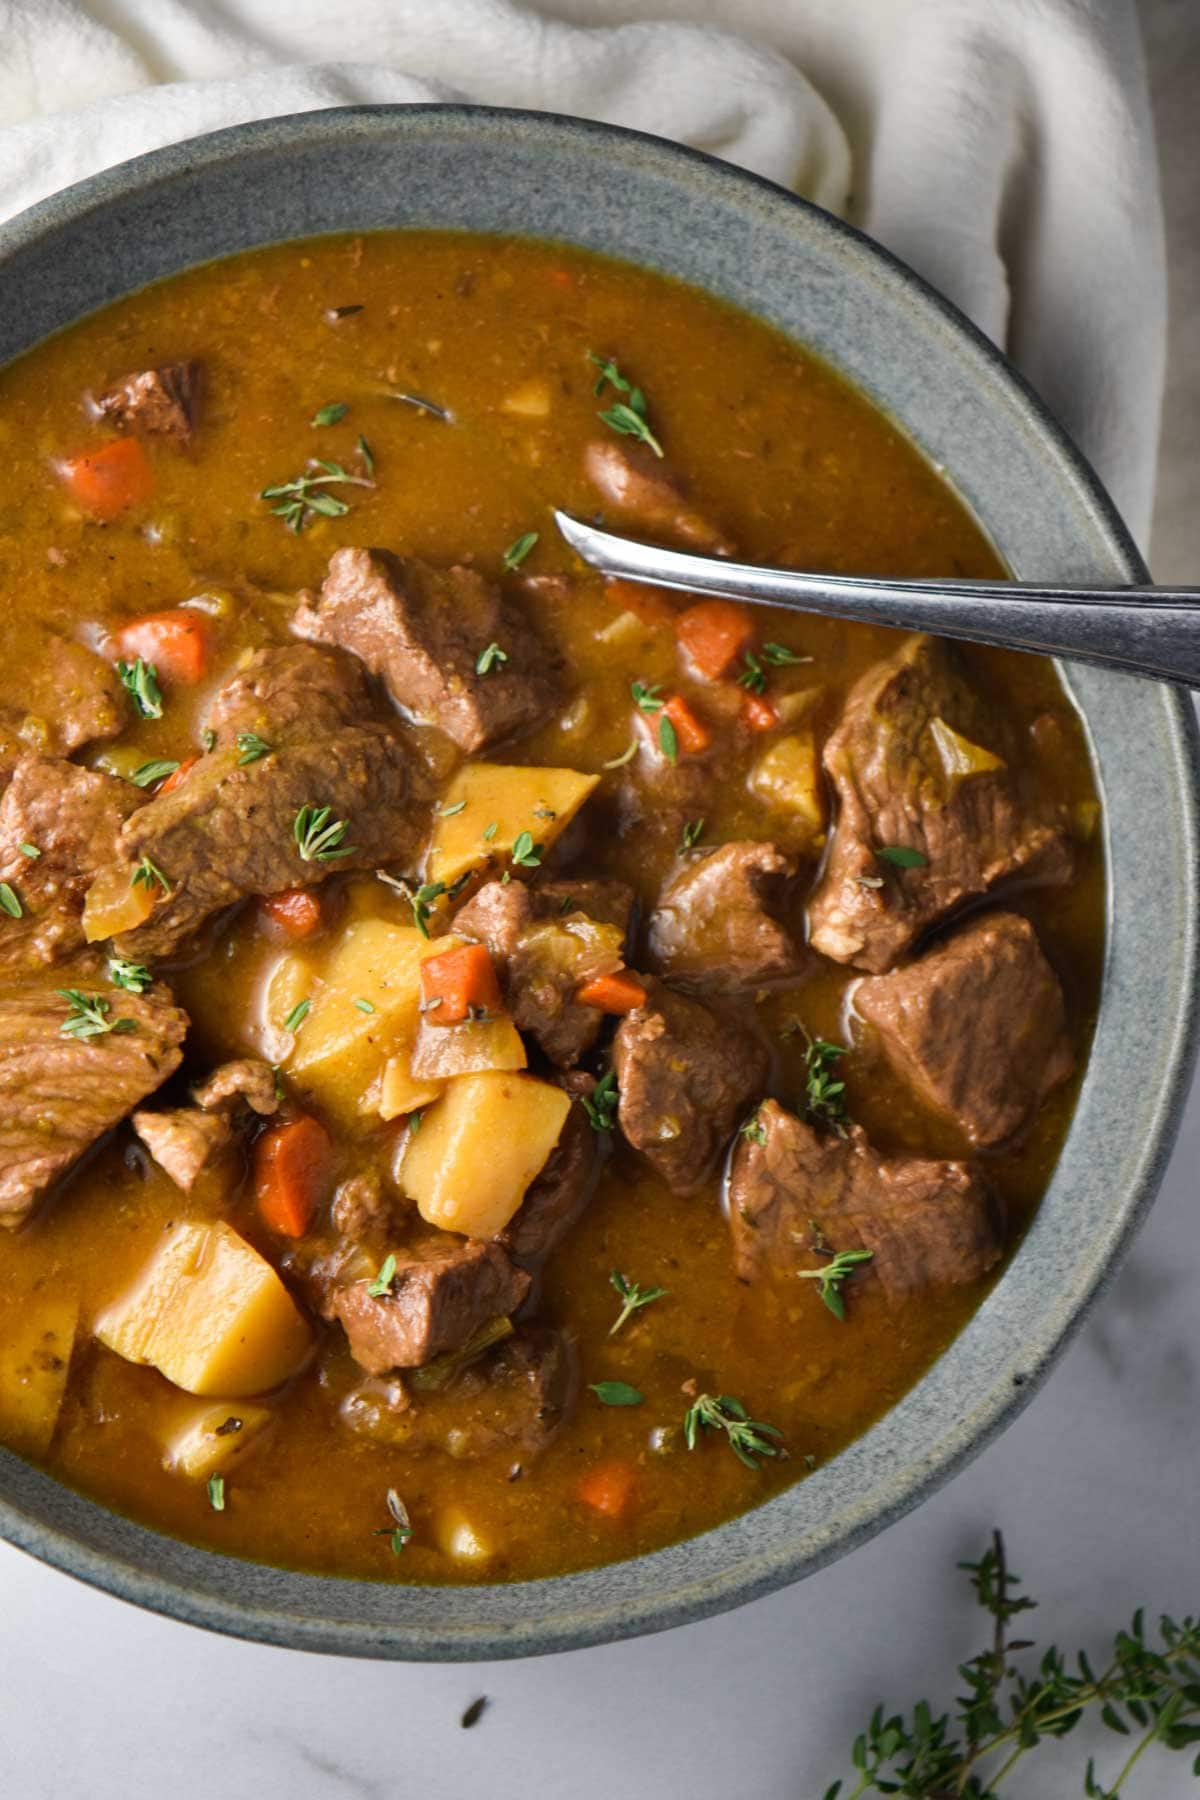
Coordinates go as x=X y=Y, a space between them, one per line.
x=1002 y=147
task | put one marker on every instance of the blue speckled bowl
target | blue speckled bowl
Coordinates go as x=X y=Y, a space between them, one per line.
x=653 y=203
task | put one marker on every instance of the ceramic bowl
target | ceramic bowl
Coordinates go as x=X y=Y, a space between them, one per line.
x=655 y=204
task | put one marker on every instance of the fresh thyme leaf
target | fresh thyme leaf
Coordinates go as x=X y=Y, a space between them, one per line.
x=753 y=1129
x=646 y=699
x=10 y=900
x=304 y=495
x=134 y=977
x=627 y=755
x=518 y=550
x=148 y=874
x=140 y=679
x=208 y=738
x=691 y=834
x=88 y=1016
x=833 y=1275
x=216 y=1492
x=382 y=1282
x=400 y=1529
x=251 y=748
x=150 y=772
x=364 y=1006
x=780 y=657
x=489 y=659
x=297 y=1015
x=668 y=739
x=448 y=812
x=29 y=850
x=419 y=403
x=754 y=676
x=414 y=1121
x=902 y=857
x=474 y=1712
x=489 y=831
x=366 y=453
x=616 y=1393
x=749 y=1439
x=329 y=415
x=601 y=1104
x=633 y=1298
x=525 y=853
x=319 y=836
x=423 y=900
x=628 y=416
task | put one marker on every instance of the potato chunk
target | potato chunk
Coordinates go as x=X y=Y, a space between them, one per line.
x=35 y=1359
x=112 y=904
x=209 y=1440
x=480 y=1147
x=502 y=802
x=399 y=1091
x=210 y=1313
x=788 y=776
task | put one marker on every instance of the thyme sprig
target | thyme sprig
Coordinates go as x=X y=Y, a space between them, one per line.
x=319 y=836
x=305 y=495
x=833 y=1274
x=629 y=416
x=633 y=1298
x=749 y=1439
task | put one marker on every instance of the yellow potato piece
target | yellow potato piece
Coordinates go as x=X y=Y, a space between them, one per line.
x=35 y=1359
x=445 y=1050
x=788 y=776
x=209 y=1440
x=112 y=904
x=210 y=1313
x=513 y=800
x=479 y=1149
x=399 y=1091
x=462 y=1537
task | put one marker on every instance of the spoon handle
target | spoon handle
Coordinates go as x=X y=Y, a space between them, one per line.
x=1152 y=631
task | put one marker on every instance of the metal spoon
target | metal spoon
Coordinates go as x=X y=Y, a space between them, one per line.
x=1143 y=630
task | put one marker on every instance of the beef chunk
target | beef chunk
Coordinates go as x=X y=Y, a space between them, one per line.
x=72 y=817
x=554 y=1202
x=715 y=920
x=227 y=831
x=245 y=1081
x=976 y=1026
x=444 y=1289
x=58 y=698
x=543 y=953
x=360 y=1208
x=634 y=483
x=291 y=691
x=184 y=1141
x=58 y=1094
x=926 y=1223
x=422 y=630
x=159 y=402
x=909 y=760
x=687 y=1076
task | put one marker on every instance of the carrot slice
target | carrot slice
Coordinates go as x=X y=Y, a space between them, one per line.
x=176 y=776
x=177 y=643
x=106 y=481
x=458 y=984
x=293 y=1174
x=608 y=1488
x=714 y=633
x=297 y=911
x=645 y=603
x=692 y=732
x=758 y=714
x=616 y=993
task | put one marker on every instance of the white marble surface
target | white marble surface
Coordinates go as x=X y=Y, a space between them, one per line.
x=1096 y=1487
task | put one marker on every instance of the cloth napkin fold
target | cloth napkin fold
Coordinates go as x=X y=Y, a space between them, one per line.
x=1004 y=150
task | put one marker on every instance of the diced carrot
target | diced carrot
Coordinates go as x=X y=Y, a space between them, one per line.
x=608 y=1488
x=176 y=776
x=297 y=911
x=758 y=714
x=714 y=633
x=293 y=1174
x=646 y=603
x=561 y=278
x=177 y=643
x=693 y=733
x=106 y=481
x=616 y=993
x=458 y=983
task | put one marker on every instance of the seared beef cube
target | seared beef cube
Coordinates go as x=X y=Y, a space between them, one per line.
x=246 y=1081
x=977 y=1026
x=72 y=817
x=59 y=1094
x=159 y=402
x=545 y=942
x=441 y=1294
x=59 y=698
x=715 y=923
x=647 y=499
x=687 y=1077
x=291 y=691
x=184 y=1141
x=360 y=1207
x=926 y=1223
x=561 y=1192
x=423 y=630
x=921 y=766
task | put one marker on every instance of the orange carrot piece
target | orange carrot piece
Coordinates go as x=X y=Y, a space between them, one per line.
x=458 y=983
x=692 y=732
x=177 y=643
x=293 y=1174
x=176 y=776
x=608 y=1488
x=758 y=714
x=714 y=633
x=106 y=481
x=645 y=603
x=297 y=911
x=619 y=992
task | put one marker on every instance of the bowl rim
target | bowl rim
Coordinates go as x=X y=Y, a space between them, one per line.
x=297 y=1610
